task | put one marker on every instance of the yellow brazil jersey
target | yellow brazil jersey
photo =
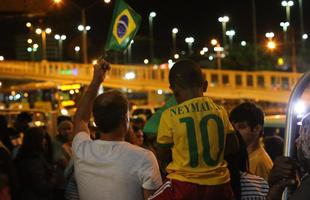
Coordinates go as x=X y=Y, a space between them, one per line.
x=196 y=132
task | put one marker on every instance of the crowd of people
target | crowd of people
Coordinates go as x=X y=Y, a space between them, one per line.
x=200 y=151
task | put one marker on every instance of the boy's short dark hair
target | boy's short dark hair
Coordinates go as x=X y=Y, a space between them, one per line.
x=247 y=112
x=186 y=74
x=110 y=110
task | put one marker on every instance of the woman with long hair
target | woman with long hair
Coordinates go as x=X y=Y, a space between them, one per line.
x=37 y=175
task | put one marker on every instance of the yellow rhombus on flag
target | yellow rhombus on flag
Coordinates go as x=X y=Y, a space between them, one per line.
x=124 y=26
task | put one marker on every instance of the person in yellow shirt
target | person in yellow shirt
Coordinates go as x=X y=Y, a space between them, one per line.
x=248 y=119
x=191 y=140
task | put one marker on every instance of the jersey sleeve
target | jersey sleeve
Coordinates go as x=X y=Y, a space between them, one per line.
x=164 y=135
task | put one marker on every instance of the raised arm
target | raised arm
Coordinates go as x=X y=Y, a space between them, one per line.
x=84 y=109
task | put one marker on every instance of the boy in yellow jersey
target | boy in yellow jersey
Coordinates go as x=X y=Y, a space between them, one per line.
x=191 y=140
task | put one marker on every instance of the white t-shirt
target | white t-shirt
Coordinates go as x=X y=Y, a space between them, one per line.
x=113 y=169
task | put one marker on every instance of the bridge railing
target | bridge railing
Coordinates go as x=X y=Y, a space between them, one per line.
x=150 y=77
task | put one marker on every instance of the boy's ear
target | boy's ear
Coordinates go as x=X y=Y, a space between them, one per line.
x=205 y=86
x=259 y=128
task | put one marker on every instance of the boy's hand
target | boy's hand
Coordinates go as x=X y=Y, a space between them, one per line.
x=100 y=70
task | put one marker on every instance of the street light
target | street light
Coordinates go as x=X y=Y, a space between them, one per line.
x=269 y=35
x=60 y=38
x=224 y=20
x=271 y=45
x=174 y=36
x=243 y=43
x=190 y=41
x=129 y=50
x=284 y=26
x=43 y=36
x=77 y=52
x=302 y=29
x=214 y=42
x=152 y=15
x=288 y=5
x=28 y=24
x=218 y=49
x=83 y=21
x=231 y=34
x=304 y=36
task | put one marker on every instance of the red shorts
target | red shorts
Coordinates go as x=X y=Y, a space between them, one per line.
x=177 y=190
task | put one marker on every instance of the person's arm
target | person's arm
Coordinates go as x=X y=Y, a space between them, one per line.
x=164 y=154
x=84 y=109
x=283 y=174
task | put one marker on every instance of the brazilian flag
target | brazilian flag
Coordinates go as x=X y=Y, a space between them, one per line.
x=124 y=26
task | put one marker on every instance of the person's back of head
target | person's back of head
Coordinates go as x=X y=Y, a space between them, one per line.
x=110 y=111
x=33 y=142
x=22 y=120
x=62 y=118
x=247 y=112
x=186 y=74
x=273 y=146
x=186 y=80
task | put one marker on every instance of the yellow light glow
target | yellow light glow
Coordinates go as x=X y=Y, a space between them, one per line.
x=280 y=61
x=48 y=30
x=57 y=1
x=38 y=31
x=25 y=94
x=13 y=93
x=67 y=103
x=214 y=42
x=271 y=45
x=29 y=41
x=28 y=25
x=69 y=87
x=38 y=123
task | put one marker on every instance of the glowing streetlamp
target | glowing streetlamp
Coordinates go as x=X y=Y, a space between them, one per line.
x=190 y=41
x=174 y=36
x=28 y=25
x=224 y=20
x=60 y=38
x=43 y=36
x=304 y=36
x=269 y=35
x=284 y=26
x=152 y=15
x=271 y=45
x=243 y=43
x=218 y=49
x=214 y=42
x=288 y=5
x=77 y=52
x=231 y=34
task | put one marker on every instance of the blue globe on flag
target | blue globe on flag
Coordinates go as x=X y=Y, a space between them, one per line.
x=122 y=26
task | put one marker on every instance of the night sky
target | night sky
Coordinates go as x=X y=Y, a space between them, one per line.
x=193 y=18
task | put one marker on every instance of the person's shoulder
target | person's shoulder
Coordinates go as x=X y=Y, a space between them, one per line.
x=138 y=152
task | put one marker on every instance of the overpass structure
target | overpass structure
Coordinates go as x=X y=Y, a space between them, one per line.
x=259 y=85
